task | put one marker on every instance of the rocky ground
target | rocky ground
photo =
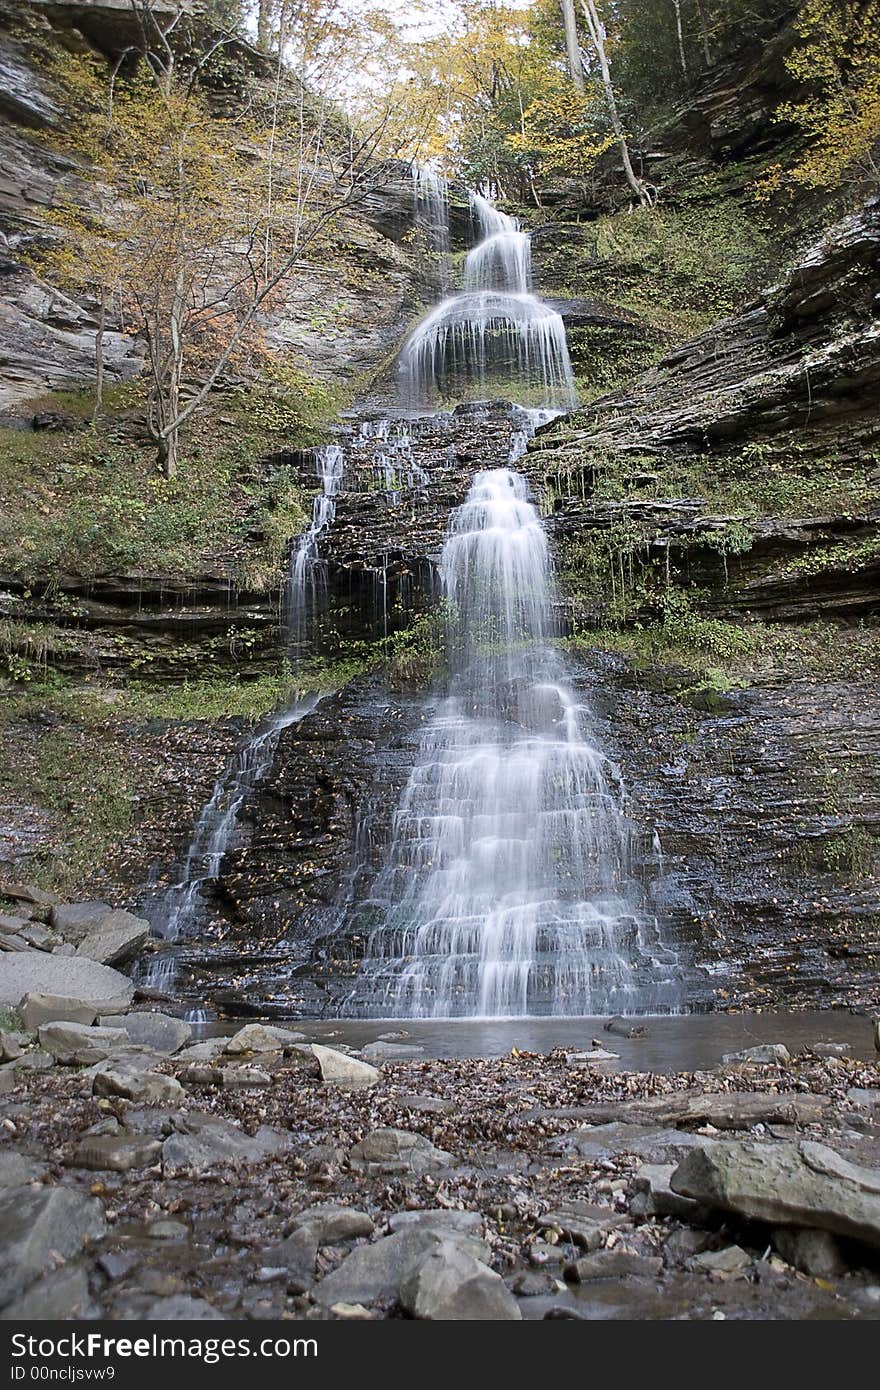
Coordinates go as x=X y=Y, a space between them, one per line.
x=258 y=1175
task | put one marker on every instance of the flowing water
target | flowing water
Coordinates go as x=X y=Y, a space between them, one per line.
x=494 y=333
x=508 y=888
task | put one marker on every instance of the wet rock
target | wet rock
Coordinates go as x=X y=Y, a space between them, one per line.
x=36 y=1009
x=297 y=1256
x=76 y=1044
x=768 y=1054
x=805 y=1184
x=729 y=1110
x=329 y=1224
x=148 y=1087
x=35 y=1224
x=437 y=1219
x=683 y=1243
x=338 y=1069
x=623 y=1028
x=731 y=1260
x=389 y=1150
x=814 y=1252
x=161 y=1032
x=118 y=1153
x=448 y=1284
x=60 y=1295
x=16 y=1169
x=533 y=1283
x=117 y=1264
x=613 y=1264
x=375 y=1272
x=202 y=1141
x=29 y=972
x=829 y=1049
x=116 y=940
x=261 y=1037
x=389 y=1050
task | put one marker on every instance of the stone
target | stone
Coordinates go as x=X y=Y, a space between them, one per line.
x=329 y=1224
x=805 y=1184
x=389 y=1150
x=448 y=1284
x=116 y=1264
x=180 y=1308
x=29 y=972
x=61 y=1295
x=118 y=939
x=816 y=1253
x=148 y=1087
x=167 y=1230
x=118 y=1153
x=16 y=1169
x=374 y=1273
x=207 y=1051
x=297 y=1256
x=725 y=1110
x=7 y=1079
x=28 y=893
x=533 y=1283
x=162 y=1032
x=14 y=926
x=261 y=1037
x=242 y=1076
x=74 y=921
x=613 y=1264
x=10 y=1050
x=36 y=1009
x=353 y=1312
x=731 y=1260
x=583 y=1224
x=437 y=1219
x=653 y=1180
x=829 y=1049
x=865 y=1098
x=338 y=1069
x=768 y=1054
x=390 y=1050
x=36 y=935
x=36 y=1225
x=77 y=1044
x=203 y=1141
x=35 y=1060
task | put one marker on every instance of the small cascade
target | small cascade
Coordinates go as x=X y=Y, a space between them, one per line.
x=431 y=197
x=306 y=590
x=494 y=336
x=508 y=889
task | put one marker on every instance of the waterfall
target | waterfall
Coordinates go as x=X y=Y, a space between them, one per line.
x=431 y=197
x=494 y=335
x=306 y=589
x=508 y=888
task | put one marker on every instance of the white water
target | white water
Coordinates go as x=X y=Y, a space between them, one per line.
x=508 y=887
x=495 y=335
x=307 y=586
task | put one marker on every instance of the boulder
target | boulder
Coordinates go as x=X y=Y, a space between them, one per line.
x=28 y=972
x=652 y=1183
x=816 y=1253
x=584 y=1223
x=76 y=1044
x=10 y=1048
x=16 y=1169
x=261 y=1037
x=338 y=1069
x=203 y=1141
x=28 y=893
x=329 y=1224
x=448 y=1284
x=731 y=1260
x=117 y=1153
x=36 y=1009
x=74 y=921
x=388 y=1150
x=118 y=939
x=804 y=1184
x=437 y=1219
x=373 y=1273
x=613 y=1264
x=37 y=1224
x=161 y=1032
x=60 y=1296
x=148 y=1087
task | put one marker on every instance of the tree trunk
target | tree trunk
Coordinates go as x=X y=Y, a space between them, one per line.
x=99 y=356
x=572 y=46
x=680 y=32
x=594 y=24
x=168 y=446
x=704 y=27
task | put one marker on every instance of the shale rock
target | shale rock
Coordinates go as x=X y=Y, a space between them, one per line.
x=768 y=1054
x=339 y=1069
x=261 y=1037
x=448 y=1284
x=161 y=1032
x=805 y=1184
x=16 y=1170
x=37 y=1223
x=613 y=1264
x=329 y=1224
x=75 y=1044
x=816 y=1253
x=30 y=972
x=59 y=1296
x=374 y=1273
x=36 y=1009
x=116 y=940
x=148 y=1087
x=202 y=1141
x=397 y=1151
x=118 y=1153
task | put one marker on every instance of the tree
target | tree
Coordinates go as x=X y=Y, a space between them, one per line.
x=596 y=30
x=572 y=46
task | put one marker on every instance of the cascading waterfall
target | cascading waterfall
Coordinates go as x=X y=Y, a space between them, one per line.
x=431 y=196
x=494 y=335
x=508 y=888
x=306 y=589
